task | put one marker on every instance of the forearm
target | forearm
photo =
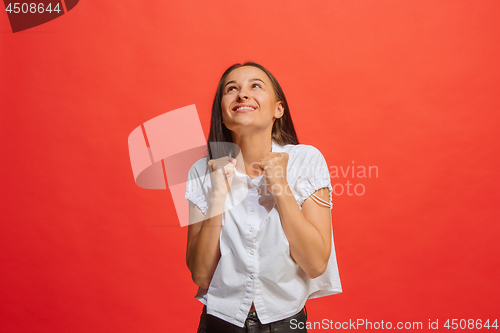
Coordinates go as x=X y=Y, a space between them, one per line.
x=204 y=253
x=307 y=246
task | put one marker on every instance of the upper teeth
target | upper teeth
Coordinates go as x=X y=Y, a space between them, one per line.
x=244 y=108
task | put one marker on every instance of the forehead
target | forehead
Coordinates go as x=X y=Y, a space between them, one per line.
x=245 y=73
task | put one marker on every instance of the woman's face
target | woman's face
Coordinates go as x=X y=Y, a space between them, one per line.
x=248 y=101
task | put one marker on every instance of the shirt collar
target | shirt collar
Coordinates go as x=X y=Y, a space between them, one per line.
x=276 y=148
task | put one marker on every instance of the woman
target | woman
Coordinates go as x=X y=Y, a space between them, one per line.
x=265 y=243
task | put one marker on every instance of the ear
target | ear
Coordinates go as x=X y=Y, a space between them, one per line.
x=280 y=110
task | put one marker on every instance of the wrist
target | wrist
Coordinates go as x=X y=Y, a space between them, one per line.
x=218 y=199
x=281 y=190
x=216 y=204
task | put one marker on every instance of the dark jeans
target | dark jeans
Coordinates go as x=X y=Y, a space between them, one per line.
x=212 y=324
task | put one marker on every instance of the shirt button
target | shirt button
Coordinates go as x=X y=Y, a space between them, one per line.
x=251 y=276
x=250 y=229
x=252 y=209
x=252 y=252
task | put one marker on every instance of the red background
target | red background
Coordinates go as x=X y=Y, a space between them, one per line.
x=411 y=87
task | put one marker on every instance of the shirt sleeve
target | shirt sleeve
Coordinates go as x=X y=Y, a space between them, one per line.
x=313 y=175
x=196 y=189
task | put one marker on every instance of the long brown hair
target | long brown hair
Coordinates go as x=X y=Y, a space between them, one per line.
x=283 y=132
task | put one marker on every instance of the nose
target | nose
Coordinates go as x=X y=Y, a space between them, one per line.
x=242 y=95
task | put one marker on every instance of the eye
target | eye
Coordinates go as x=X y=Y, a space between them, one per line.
x=230 y=88
x=256 y=85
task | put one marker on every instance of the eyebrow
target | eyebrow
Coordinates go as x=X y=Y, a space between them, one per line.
x=251 y=80
x=257 y=80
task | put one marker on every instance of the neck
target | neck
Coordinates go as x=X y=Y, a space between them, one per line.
x=253 y=147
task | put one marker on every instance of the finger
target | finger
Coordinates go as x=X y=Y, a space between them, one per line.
x=217 y=164
x=228 y=169
x=223 y=161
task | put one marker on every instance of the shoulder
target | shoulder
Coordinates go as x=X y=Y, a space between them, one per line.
x=304 y=160
x=198 y=168
x=302 y=152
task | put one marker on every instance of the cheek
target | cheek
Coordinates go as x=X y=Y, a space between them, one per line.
x=224 y=107
x=226 y=117
x=266 y=100
x=223 y=102
x=226 y=102
x=267 y=105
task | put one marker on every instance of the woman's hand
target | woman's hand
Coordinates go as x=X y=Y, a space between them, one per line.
x=274 y=166
x=221 y=175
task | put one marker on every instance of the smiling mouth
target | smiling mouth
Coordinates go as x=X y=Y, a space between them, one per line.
x=244 y=108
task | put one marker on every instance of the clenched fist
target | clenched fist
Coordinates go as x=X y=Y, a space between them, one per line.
x=274 y=166
x=222 y=174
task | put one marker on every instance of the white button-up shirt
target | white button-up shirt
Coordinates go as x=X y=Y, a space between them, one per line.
x=255 y=263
